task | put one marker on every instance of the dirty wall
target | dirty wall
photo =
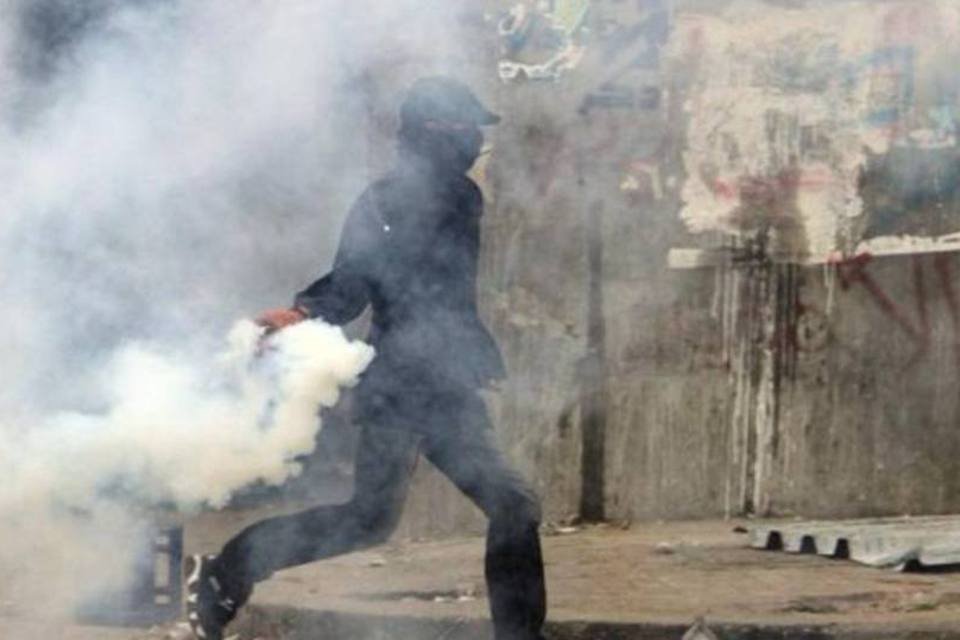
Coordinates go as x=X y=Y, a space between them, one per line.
x=718 y=255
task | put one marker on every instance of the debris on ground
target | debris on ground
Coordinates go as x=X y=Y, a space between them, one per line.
x=902 y=544
x=561 y=528
x=377 y=561
x=665 y=548
x=699 y=631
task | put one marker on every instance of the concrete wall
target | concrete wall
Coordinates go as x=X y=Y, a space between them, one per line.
x=743 y=387
x=869 y=419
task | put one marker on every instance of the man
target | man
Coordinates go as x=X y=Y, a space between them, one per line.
x=409 y=250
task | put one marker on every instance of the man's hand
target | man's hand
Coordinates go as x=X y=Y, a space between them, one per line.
x=276 y=319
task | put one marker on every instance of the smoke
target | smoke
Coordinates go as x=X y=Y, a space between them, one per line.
x=173 y=165
x=179 y=431
x=182 y=430
x=170 y=166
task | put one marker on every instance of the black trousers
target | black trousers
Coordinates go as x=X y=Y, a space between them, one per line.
x=453 y=432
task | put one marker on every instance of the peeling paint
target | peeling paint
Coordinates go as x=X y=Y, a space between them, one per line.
x=785 y=106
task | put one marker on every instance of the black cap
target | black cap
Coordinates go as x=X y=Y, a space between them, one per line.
x=445 y=100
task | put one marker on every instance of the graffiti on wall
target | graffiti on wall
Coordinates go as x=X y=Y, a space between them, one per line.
x=930 y=278
x=541 y=40
x=821 y=127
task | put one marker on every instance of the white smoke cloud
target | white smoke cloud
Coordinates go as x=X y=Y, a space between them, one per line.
x=183 y=164
x=183 y=430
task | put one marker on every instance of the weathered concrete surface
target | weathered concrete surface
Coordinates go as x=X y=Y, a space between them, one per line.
x=19 y=629
x=281 y=623
x=648 y=582
x=868 y=426
x=755 y=388
x=655 y=576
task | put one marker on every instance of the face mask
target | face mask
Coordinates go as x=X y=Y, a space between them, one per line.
x=452 y=148
x=468 y=144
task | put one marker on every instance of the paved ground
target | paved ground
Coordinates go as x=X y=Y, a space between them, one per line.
x=665 y=574
x=650 y=581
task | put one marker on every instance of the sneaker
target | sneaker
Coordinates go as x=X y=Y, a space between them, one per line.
x=209 y=610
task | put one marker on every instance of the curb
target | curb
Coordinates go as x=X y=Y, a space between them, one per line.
x=292 y=623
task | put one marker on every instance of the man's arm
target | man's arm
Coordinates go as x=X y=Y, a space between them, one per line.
x=343 y=293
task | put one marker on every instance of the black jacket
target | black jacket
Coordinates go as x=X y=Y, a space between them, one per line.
x=409 y=249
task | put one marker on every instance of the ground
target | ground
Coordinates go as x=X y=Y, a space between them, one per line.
x=651 y=580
